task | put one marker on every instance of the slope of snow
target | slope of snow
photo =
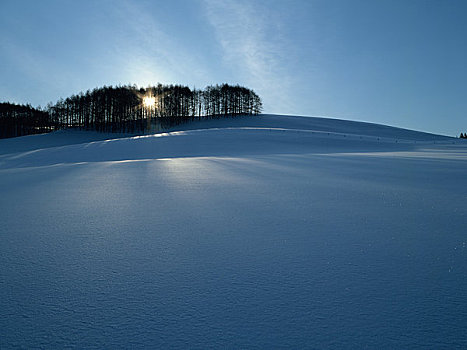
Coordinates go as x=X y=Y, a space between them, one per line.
x=69 y=137
x=54 y=139
x=316 y=124
x=274 y=233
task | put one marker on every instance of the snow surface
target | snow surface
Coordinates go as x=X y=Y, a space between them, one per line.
x=259 y=232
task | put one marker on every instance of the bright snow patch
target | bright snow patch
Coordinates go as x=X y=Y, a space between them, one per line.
x=261 y=232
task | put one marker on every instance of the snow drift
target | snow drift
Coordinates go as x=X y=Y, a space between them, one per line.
x=259 y=232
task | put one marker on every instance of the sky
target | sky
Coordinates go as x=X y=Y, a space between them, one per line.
x=400 y=63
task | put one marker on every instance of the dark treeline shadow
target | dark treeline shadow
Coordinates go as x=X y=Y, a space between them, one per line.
x=129 y=109
x=19 y=120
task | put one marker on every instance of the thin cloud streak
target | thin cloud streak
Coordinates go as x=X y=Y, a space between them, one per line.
x=152 y=53
x=133 y=48
x=253 y=47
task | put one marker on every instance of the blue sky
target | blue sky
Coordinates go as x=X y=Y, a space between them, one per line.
x=401 y=63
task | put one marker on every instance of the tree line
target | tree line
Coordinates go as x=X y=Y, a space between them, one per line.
x=19 y=120
x=126 y=109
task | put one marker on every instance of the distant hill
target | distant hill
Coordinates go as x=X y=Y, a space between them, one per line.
x=249 y=135
x=316 y=124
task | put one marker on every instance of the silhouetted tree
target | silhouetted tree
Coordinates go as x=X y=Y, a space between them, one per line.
x=121 y=109
x=19 y=120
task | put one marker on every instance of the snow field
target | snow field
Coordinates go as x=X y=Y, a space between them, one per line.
x=273 y=235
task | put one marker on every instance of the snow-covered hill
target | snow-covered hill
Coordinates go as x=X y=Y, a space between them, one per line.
x=259 y=232
x=268 y=134
x=335 y=126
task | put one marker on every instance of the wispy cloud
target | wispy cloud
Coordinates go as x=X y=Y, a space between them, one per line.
x=153 y=52
x=252 y=44
x=126 y=43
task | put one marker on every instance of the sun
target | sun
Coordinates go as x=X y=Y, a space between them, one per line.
x=149 y=101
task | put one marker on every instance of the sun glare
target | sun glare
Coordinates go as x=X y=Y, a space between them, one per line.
x=149 y=101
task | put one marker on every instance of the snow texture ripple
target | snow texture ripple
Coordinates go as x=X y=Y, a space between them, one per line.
x=275 y=232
